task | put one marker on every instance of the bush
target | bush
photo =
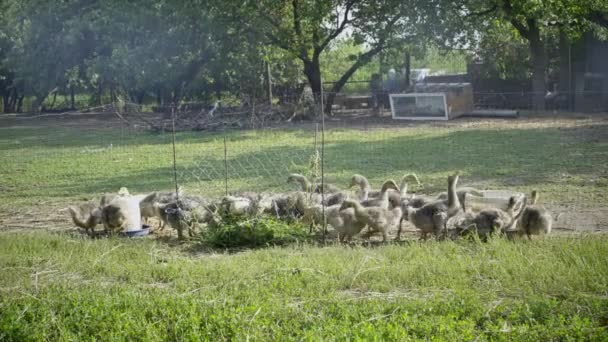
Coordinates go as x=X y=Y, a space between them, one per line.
x=240 y=231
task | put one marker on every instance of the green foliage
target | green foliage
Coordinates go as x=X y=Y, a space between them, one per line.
x=172 y=51
x=444 y=61
x=514 y=60
x=339 y=57
x=233 y=231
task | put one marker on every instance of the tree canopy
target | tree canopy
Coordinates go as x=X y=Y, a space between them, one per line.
x=168 y=51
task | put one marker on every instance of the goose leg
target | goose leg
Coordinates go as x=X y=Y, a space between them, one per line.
x=191 y=230
x=439 y=221
x=398 y=238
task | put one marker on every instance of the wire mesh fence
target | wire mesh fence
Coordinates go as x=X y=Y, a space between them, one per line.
x=63 y=157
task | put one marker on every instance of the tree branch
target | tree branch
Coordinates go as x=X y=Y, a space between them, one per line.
x=484 y=12
x=278 y=42
x=365 y=57
x=274 y=39
x=297 y=21
x=339 y=27
x=523 y=30
x=297 y=27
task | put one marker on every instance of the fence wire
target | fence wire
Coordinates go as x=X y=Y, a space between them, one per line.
x=59 y=159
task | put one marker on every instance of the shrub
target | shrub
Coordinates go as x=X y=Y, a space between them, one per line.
x=240 y=231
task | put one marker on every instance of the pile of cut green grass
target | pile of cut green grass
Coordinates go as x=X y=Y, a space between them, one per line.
x=62 y=287
x=237 y=231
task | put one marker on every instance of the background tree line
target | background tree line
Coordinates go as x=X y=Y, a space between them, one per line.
x=169 y=51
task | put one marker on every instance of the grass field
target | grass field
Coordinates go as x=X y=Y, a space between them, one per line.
x=57 y=285
x=561 y=158
x=61 y=287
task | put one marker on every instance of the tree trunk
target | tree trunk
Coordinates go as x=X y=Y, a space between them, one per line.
x=361 y=61
x=140 y=97
x=159 y=96
x=99 y=94
x=38 y=103
x=19 y=108
x=177 y=95
x=5 y=101
x=72 y=100
x=312 y=70
x=12 y=101
x=530 y=30
x=54 y=101
x=539 y=66
x=113 y=96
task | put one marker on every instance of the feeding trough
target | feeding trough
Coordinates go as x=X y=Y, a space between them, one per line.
x=495 y=199
x=145 y=230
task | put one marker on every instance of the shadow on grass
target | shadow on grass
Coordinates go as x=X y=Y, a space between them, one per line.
x=68 y=137
x=533 y=155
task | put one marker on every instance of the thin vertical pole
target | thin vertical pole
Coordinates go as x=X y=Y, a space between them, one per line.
x=269 y=83
x=316 y=135
x=174 y=154
x=315 y=165
x=225 y=166
x=323 y=163
x=570 y=93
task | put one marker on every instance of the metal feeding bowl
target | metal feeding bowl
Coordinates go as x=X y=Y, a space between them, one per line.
x=145 y=230
x=495 y=199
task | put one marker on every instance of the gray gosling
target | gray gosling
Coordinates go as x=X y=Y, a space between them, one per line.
x=379 y=218
x=383 y=199
x=493 y=220
x=365 y=192
x=113 y=215
x=186 y=213
x=432 y=217
x=149 y=210
x=462 y=193
x=344 y=222
x=535 y=219
x=86 y=215
x=307 y=186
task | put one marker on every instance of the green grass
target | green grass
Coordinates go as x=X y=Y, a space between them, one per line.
x=61 y=287
x=61 y=164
